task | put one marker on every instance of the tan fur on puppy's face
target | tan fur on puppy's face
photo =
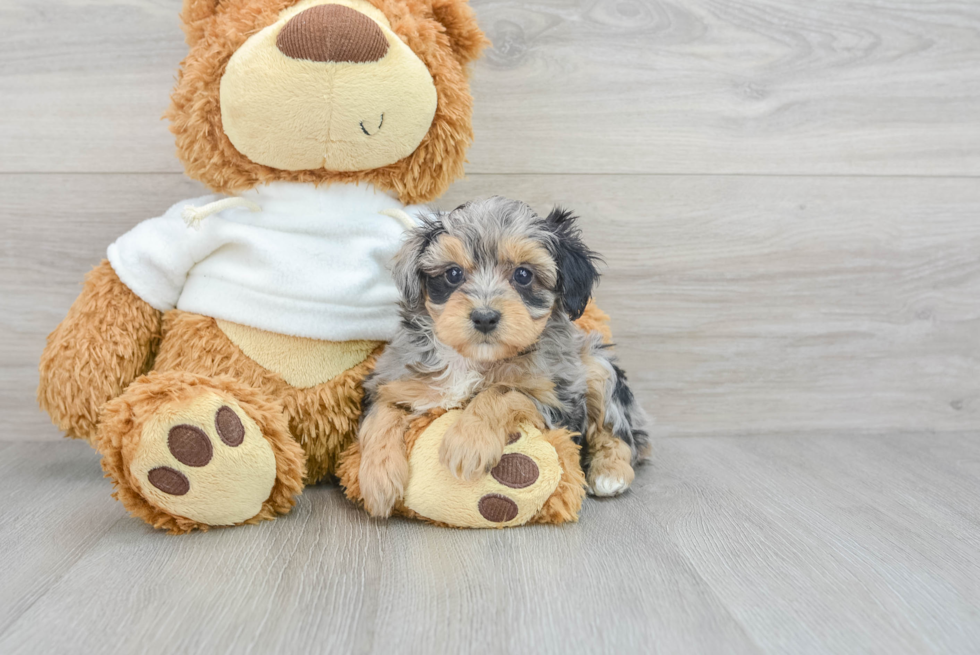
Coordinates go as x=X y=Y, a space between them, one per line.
x=517 y=331
x=489 y=285
x=520 y=250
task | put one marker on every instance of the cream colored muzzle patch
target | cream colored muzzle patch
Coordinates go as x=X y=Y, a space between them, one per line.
x=294 y=114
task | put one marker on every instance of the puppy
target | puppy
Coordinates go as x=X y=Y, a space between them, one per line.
x=489 y=295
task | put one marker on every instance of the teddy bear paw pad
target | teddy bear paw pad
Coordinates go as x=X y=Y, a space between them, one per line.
x=515 y=471
x=513 y=492
x=205 y=460
x=497 y=508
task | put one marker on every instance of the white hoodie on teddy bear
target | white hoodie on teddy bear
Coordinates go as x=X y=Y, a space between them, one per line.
x=297 y=260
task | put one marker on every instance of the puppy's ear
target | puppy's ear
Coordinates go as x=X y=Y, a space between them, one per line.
x=406 y=266
x=194 y=17
x=577 y=272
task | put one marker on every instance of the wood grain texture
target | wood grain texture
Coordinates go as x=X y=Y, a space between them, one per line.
x=304 y=584
x=865 y=87
x=85 y=83
x=851 y=529
x=837 y=544
x=62 y=483
x=773 y=304
x=56 y=228
x=741 y=305
x=786 y=196
x=768 y=87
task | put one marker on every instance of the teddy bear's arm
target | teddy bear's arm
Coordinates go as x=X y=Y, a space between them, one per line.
x=106 y=341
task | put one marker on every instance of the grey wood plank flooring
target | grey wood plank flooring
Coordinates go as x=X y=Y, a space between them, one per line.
x=56 y=507
x=816 y=544
x=828 y=522
x=865 y=87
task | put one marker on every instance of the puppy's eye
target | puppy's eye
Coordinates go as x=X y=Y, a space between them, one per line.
x=454 y=275
x=523 y=277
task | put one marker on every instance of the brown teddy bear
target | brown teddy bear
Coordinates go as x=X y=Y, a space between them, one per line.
x=215 y=358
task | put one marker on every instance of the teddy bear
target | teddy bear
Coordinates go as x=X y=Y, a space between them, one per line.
x=215 y=357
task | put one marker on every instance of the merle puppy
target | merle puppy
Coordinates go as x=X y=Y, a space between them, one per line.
x=490 y=293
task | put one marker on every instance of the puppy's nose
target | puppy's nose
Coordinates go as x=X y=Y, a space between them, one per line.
x=332 y=33
x=485 y=320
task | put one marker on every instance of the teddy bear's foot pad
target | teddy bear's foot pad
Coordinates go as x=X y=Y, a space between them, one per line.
x=514 y=491
x=497 y=508
x=515 y=471
x=190 y=446
x=205 y=460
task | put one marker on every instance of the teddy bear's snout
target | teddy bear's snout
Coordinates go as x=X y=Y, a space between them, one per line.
x=332 y=33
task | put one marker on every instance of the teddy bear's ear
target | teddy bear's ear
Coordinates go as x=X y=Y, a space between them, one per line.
x=460 y=22
x=194 y=17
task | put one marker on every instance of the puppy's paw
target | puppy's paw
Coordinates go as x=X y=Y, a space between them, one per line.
x=382 y=478
x=610 y=472
x=607 y=485
x=470 y=449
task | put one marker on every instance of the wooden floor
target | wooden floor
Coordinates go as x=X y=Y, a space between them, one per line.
x=787 y=196
x=782 y=544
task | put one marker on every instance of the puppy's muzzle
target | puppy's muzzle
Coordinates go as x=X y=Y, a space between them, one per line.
x=485 y=320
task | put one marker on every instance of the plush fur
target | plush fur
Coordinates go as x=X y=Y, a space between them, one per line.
x=110 y=337
x=300 y=361
x=490 y=292
x=442 y=33
x=90 y=372
x=561 y=506
x=194 y=355
x=323 y=418
x=124 y=418
x=115 y=365
x=107 y=340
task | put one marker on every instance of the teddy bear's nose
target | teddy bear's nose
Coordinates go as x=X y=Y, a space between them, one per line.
x=332 y=33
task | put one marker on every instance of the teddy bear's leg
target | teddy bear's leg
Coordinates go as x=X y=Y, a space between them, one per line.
x=473 y=445
x=537 y=480
x=186 y=452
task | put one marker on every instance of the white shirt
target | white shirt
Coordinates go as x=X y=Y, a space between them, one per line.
x=313 y=263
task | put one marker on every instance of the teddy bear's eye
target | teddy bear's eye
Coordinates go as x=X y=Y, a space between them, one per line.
x=454 y=275
x=523 y=276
